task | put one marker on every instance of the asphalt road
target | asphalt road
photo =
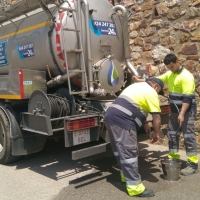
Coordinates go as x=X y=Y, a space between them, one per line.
x=52 y=175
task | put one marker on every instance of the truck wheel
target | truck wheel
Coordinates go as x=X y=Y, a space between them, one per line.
x=5 y=140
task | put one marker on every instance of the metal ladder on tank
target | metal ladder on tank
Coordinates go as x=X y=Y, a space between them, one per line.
x=78 y=51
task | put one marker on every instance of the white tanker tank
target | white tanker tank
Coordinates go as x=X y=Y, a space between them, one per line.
x=61 y=65
x=40 y=40
x=32 y=33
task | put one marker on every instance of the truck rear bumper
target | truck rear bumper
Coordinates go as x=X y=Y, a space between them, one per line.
x=90 y=151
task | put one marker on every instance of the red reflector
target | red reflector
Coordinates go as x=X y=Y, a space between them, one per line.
x=81 y=124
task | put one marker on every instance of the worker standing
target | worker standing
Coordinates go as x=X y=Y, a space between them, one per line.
x=183 y=106
x=123 y=119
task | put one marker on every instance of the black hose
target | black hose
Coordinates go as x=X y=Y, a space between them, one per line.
x=59 y=106
x=93 y=108
x=171 y=101
x=45 y=8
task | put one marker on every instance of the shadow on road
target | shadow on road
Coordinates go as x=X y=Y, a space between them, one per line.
x=55 y=163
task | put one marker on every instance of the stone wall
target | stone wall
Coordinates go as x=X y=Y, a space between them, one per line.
x=159 y=27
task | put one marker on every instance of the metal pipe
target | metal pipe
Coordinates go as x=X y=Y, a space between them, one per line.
x=80 y=39
x=125 y=37
x=57 y=119
x=132 y=68
x=45 y=8
x=88 y=40
x=58 y=129
x=60 y=79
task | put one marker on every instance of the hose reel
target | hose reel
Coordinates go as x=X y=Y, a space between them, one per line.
x=48 y=104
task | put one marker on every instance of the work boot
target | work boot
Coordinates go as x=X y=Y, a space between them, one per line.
x=189 y=171
x=146 y=193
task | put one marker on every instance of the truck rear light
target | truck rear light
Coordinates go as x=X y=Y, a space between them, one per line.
x=81 y=123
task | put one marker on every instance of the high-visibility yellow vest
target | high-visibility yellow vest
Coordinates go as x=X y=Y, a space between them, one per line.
x=181 y=88
x=144 y=96
x=131 y=107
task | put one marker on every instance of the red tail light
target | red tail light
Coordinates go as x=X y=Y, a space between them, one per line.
x=81 y=123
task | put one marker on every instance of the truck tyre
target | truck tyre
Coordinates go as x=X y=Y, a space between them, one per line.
x=5 y=140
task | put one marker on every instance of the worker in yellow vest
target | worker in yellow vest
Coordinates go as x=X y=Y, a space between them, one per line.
x=123 y=119
x=183 y=106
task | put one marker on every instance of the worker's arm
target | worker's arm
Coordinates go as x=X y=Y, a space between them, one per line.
x=136 y=79
x=163 y=77
x=188 y=88
x=147 y=128
x=181 y=115
x=156 y=125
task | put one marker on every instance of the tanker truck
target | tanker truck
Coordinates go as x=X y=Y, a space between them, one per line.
x=61 y=66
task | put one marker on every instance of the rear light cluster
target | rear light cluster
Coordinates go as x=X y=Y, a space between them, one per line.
x=165 y=109
x=81 y=123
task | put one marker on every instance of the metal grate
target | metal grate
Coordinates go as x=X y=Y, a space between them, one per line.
x=9 y=10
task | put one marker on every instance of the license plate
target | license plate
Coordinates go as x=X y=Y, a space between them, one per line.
x=81 y=136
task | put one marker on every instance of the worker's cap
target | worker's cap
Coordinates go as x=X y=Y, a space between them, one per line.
x=159 y=82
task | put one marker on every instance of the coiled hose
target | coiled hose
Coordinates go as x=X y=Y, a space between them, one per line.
x=60 y=107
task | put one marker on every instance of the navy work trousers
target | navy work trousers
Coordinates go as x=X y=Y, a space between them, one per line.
x=124 y=146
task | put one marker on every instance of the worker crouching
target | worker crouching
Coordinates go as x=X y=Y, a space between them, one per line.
x=123 y=119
